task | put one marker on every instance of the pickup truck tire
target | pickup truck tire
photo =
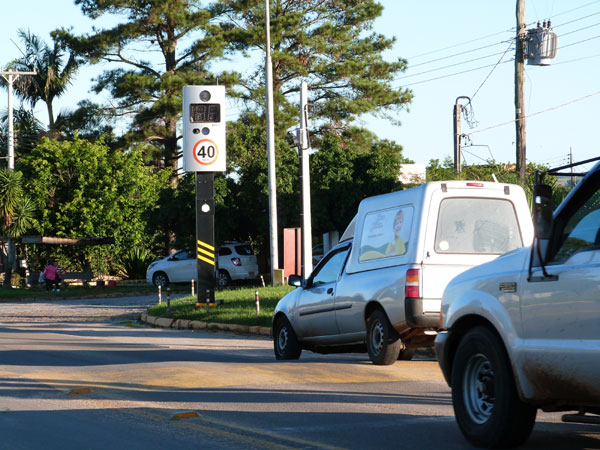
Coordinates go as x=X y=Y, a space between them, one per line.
x=285 y=342
x=486 y=404
x=383 y=343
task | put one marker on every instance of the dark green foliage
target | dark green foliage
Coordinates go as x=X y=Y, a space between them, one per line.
x=27 y=131
x=89 y=121
x=84 y=189
x=347 y=169
x=135 y=261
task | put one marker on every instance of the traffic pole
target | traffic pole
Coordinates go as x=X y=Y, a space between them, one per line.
x=159 y=295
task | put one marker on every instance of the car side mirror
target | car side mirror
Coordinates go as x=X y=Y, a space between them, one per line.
x=295 y=280
x=542 y=211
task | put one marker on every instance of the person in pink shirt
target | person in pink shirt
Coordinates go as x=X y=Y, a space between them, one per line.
x=51 y=276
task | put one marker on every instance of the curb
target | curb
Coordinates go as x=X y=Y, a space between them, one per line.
x=164 y=322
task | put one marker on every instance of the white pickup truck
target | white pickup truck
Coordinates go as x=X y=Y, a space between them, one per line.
x=522 y=332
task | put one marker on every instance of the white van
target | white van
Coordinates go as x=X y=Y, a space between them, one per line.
x=379 y=290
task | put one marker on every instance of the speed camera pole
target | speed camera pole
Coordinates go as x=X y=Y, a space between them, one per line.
x=205 y=235
x=204 y=154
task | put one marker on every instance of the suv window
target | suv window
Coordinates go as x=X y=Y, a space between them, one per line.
x=582 y=229
x=477 y=225
x=243 y=249
x=224 y=251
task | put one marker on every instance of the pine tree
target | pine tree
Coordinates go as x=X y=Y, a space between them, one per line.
x=186 y=37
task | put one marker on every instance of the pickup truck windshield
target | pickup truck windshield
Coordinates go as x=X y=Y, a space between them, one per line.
x=477 y=225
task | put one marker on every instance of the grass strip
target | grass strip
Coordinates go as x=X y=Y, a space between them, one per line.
x=239 y=307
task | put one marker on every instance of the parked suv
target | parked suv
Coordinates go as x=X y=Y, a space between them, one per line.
x=522 y=332
x=236 y=261
x=379 y=290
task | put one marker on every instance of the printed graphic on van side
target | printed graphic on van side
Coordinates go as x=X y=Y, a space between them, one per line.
x=386 y=233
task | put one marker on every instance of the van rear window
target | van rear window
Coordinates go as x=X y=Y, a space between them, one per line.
x=477 y=225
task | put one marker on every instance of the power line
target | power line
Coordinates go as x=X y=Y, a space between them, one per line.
x=536 y=113
x=491 y=45
x=456 y=54
x=453 y=65
x=491 y=71
x=454 y=74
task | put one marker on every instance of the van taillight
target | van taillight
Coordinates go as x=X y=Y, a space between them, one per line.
x=412 y=287
x=475 y=184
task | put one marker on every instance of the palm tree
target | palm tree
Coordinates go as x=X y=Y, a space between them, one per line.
x=16 y=214
x=53 y=77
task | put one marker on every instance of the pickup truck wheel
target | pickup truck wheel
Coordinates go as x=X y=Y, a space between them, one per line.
x=383 y=344
x=285 y=341
x=484 y=395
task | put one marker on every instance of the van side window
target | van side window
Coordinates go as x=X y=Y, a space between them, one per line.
x=476 y=226
x=582 y=229
x=386 y=233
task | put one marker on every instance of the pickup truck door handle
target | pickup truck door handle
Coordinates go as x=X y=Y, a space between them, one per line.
x=330 y=291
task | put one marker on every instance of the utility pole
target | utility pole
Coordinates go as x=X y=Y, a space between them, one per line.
x=304 y=151
x=271 y=147
x=571 y=163
x=11 y=76
x=456 y=111
x=520 y=90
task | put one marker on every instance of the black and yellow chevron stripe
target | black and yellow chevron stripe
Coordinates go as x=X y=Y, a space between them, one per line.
x=206 y=253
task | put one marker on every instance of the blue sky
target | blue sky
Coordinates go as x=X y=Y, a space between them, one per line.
x=439 y=39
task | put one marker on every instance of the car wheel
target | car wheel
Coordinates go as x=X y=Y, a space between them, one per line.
x=484 y=395
x=406 y=354
x=285 y=341
x=383 y=344
x=160 y=279
x=223 y=278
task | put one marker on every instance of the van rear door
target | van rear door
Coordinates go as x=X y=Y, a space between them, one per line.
x=468 y=224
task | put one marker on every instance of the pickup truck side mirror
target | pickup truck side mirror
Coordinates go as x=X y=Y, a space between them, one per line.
x=542 y=211
x=295 y=280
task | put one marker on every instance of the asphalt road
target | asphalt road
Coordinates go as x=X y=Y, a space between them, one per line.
x=77 y=374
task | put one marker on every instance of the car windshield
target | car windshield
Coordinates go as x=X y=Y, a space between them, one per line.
x=476 y=226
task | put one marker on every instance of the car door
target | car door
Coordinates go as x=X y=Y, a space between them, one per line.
x=561 y=313
x=315 y=306
x=182 y=267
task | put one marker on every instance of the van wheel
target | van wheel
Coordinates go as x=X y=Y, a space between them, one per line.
x=484 y=395
x=285 y=341
x=160 y=279
x=383 y=343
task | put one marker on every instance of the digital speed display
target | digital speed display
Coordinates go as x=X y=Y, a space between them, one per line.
x=205 y=112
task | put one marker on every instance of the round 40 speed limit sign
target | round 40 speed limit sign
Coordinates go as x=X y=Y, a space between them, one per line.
x=206 y=152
